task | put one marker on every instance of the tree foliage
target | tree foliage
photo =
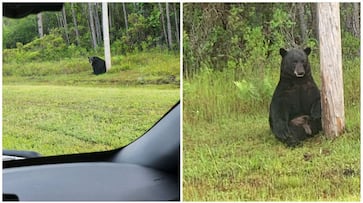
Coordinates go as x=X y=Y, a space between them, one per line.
x=246 y=37
x=143 y=29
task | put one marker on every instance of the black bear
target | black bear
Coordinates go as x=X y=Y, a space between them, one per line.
x=295 y=109
x=98 y=65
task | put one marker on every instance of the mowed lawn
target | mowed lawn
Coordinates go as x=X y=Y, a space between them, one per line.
x=54 y=119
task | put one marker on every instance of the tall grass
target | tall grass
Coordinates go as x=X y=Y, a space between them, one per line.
x=230 y=154
x=153 y=67
x=214 y=95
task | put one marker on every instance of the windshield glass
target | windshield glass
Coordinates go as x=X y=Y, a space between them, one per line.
x=55 y=101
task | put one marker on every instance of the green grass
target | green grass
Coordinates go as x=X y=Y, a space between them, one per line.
x=230 y=154
x=133 y=69
x=59 y=107
x=65 y=119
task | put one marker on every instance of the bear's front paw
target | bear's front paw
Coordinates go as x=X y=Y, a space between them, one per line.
x=282 y=134
x=293 y=143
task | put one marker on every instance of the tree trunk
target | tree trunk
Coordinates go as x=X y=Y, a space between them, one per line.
x=177 y=36
x=170 y=41
x=59 y=20
x=110 y=14
x=92 y=26
x=97 y=25
x=314 y=23
x=106 y=36
x=75 y=24
x=40 y=25
x=301 y=13
x=65 y=25
x=332 y=95
x=125 y=17
x=163 y=23
x=356 y=21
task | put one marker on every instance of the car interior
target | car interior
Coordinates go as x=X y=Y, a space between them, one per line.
x=147 y=169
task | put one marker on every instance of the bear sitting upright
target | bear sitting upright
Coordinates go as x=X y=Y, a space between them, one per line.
x=295 y=109
x=98 y=65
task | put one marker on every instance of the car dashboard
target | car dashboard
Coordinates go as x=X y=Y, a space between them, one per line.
x=147 y=169
x=101 y=181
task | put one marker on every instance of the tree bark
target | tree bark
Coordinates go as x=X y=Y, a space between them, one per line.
x=125 y=17
x=106 y=35
x=97 y=25
x=40 y=25
x=163 y=23
x=356 y=20
x=92 y=26
x=177 y=36
x=75 y=24
x=110 y=14
x=302 y=22
x=332 y=95
x=314 y=23
x=65 y=25
x=170 y=41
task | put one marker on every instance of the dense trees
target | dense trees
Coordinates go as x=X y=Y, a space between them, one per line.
x=133 y=26
x=244 y=35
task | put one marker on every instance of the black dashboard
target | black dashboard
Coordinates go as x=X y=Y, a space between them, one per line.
x=89 y=182
x=147 y=169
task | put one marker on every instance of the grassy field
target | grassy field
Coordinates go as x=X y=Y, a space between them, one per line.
x=230 y=154
x=60 y=107
x=158 y=68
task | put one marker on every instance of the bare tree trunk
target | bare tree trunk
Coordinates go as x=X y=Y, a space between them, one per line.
x=170 y=41
x=59 y=20
x=106 y=37
x=125 y=17
x=92 y=26
x=110 y=14
x=65 y=25
x=177 y=36
x=97 y=25
x=301 y=13
x=356 y=21
x=163 y=23
x=314 y=23
x=332 y=95
x=40 y=24
x=75 y=24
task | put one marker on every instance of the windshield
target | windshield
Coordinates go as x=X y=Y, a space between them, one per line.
x=55 y=101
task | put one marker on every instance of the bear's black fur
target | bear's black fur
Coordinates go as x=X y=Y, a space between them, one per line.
x=295 y=109
x=98 y=65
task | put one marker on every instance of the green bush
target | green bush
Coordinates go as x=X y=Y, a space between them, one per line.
x=24 y=31
x=48 y=48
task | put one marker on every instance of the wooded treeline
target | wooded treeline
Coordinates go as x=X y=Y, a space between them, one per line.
x=247 y=35
x=133 y=26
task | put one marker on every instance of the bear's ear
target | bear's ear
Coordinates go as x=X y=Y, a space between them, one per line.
x=307 y=51
x=283 y=52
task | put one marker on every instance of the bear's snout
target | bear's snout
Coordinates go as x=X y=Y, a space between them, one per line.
x=299 y=71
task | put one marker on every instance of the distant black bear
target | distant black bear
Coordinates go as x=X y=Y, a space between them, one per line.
x=295 y=109
x=98 y=65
